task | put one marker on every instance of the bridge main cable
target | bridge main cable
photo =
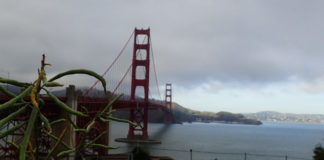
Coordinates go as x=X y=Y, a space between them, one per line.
x=124 y=76
x=110 y=66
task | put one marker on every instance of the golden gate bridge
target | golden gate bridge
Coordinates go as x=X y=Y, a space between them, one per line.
x=136 y=81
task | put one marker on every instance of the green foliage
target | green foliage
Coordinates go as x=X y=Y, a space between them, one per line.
x=318 y=152
x=81 y=71
x=64 y=106
x=38 y=121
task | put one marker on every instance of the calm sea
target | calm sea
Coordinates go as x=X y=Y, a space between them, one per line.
x=210 y=141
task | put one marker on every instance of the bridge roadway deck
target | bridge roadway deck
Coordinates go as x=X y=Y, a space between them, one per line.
x=92 y=104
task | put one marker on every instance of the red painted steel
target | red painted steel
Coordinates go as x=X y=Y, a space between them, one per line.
x=138 y=114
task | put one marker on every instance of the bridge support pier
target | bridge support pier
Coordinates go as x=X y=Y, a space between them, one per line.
x=139 y=114
x=168 y=103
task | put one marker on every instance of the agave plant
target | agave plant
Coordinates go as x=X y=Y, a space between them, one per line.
x=20 y=106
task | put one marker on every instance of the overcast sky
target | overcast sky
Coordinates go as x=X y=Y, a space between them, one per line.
x=220 y=55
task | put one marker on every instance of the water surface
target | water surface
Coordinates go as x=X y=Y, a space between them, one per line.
x=270 y=141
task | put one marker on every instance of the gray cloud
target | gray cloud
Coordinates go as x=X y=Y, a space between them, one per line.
x=244 y=42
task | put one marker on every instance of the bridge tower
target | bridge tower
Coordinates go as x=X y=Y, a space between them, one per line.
x=168 y=103
x=139 y=114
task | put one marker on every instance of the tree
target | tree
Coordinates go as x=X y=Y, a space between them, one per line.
x=318 y=152
x=37 y=121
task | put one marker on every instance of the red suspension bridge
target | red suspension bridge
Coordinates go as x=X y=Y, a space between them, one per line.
x=139 y=83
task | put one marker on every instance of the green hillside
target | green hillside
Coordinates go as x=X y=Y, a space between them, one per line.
x=183 y=114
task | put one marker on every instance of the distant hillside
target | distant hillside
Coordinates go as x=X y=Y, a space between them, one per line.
x=183 y=114
x=286 y=117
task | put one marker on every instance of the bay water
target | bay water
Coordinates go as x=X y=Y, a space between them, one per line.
x=211 y=141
